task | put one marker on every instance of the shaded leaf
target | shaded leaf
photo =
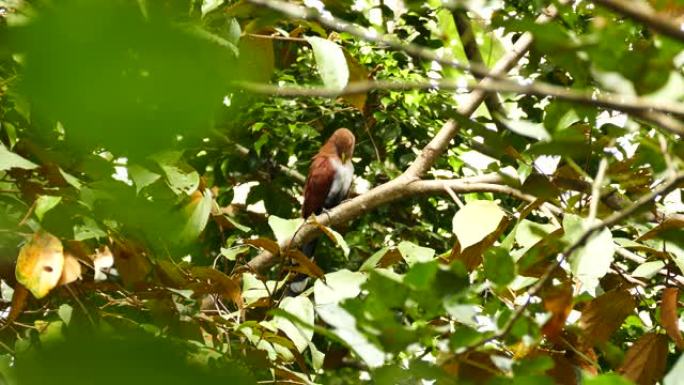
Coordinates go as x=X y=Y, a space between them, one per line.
x=557 y=301
x=45 y=203
x=604 y=314
x=264 y=244
x=499 y=266
x=646 y=360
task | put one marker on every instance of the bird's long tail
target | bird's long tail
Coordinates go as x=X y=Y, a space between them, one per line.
x=300 y=281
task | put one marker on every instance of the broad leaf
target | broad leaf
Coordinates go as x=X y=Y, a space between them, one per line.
x=475 y=221
x=40 y=264
x=331 y=62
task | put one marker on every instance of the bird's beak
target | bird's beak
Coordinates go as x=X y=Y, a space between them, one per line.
x=344 y=158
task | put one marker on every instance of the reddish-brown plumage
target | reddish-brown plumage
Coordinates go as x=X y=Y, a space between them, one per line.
x=330 y=173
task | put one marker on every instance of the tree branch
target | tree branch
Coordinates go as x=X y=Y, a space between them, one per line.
x=395 y=189
x=643 y=108
x=643 y=13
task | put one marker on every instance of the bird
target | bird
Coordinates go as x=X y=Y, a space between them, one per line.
x=327 y=184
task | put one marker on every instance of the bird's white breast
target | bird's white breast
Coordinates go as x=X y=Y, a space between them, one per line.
x=344 y=173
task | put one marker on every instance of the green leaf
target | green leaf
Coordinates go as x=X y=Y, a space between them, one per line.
x=283 y=229
x=675 y=376
x=141 y=176
x=648 y=269
x=475 y=221
x=45 y=203
x=10 y=160
x=528 y=129
x=197 y=212
x=613 y=379
x=339 y=241
x=64 y=313
x=302 y=308
x=88 y=230
x=231 y=253
x=210 y=5
x=592 y=262
x=332 y=66
x=72 y=180
x=182 y=179
x=373 y=260
x=413 y=253
x=338 y=286
x=499 y=266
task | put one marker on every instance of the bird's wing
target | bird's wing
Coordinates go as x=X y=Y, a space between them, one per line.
x=321 y=175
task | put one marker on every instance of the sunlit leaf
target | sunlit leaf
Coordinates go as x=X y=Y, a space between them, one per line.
x=10 y=160
x=45 y=203
x=40 y=264
x=592 y=262
x=283 y=229
x=71 y=270
x=302 y=308
x=331 y=63
x=475 y=221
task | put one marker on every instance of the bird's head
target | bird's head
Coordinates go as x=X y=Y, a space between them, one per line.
x=343 y=140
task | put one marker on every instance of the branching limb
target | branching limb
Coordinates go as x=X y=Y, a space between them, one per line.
x=643 y=108
x=642 y=12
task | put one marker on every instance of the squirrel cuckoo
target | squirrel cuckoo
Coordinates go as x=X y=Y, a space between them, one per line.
x=330 y=177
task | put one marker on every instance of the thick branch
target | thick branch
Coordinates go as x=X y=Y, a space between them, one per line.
x=394 y=189
x=643 y=13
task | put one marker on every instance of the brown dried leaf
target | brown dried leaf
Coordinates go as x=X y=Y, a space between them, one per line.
x=306 y=265
x=222 y=283
x=604 y=314
x=71 y=270
x=131 y=263
x=264 y=244
x=357 y=72
x=18 y=302
x=557 y=301
x=645 y=361
x=40 y=264
x=668 y=315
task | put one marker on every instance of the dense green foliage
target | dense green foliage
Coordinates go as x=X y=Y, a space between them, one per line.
x=142 y=169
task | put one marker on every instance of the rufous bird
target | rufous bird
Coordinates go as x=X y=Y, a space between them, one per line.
x=330 y=177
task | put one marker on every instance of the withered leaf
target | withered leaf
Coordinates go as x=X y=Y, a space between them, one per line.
x=265 y=244
x=223 y=284
x=71 y=270
x=668 y=315
x=557 y=301
x=604 y=314
x=306 y=265
x=645 y=361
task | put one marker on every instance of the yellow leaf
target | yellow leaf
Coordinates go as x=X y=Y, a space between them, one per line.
x=475 y=221
x=40 y=264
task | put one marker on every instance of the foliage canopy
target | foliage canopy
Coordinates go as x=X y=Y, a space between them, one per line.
x=517 y=215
